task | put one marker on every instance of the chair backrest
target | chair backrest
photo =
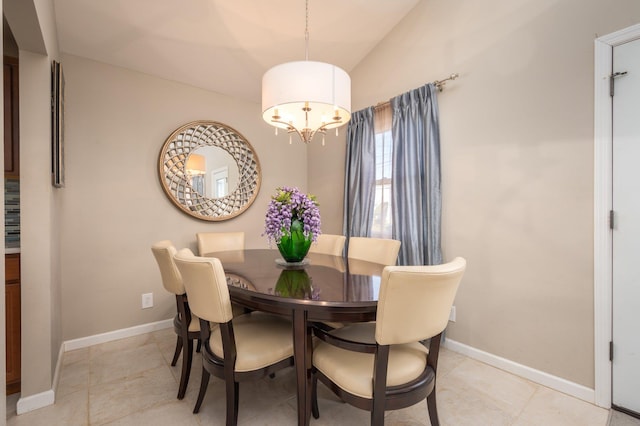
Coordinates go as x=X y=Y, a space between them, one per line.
x=208 y=242
x=415 y=301
x=164 y=251
x=206 y=286
x=328 y=244
x=376 y=250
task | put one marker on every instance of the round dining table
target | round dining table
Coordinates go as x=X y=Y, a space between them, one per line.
x=322 y=288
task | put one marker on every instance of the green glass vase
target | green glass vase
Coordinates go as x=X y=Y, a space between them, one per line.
x=294 y=246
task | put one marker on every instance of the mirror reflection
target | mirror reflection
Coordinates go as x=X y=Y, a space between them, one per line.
x=212 y=171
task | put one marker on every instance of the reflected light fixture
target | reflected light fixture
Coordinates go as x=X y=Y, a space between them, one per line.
x=195 y=165
x=306 y=97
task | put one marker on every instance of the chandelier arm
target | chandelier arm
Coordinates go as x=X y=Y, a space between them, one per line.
x=290 y=128
x=307 y=135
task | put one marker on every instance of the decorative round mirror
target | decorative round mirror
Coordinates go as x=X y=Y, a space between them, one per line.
x=209 y=170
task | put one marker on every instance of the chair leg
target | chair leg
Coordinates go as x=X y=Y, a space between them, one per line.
x=187 y=358
x=232 y=402
x=199 y=346
x=177 y=352
x=377 y=412
x=433 y=410
x=203 y=389
x=314 y=397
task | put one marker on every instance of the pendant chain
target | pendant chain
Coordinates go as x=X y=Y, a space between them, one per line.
x=306 y=31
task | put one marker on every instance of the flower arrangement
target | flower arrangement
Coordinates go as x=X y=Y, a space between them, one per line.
x=292 y=211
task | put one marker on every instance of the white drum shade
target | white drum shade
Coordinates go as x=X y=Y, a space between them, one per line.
x=288 y=87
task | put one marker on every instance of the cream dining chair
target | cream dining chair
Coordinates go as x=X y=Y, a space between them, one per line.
x=361 y=254
x=209 y=242
x=241 y=348
x=186 y=326
x=384 y=365
x=376 y=250
x=328 y=244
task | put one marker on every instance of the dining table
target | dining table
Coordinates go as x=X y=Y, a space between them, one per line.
x=319 y=290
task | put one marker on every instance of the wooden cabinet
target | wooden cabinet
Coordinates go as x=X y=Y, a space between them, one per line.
x=12 y=310
x=11 y=118
x=11 y=171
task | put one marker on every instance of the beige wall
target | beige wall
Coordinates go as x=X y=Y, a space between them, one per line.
x=46 y=17
x=326 y=178
x=36 y=226
x=517 y=163
x=113 y=207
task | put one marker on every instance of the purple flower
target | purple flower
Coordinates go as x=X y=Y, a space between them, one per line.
x=287 y=205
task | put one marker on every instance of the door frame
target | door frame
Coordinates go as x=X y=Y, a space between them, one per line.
x=603 y=202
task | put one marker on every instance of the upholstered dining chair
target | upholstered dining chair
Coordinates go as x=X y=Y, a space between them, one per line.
x=385 y=365
x=186 y=326
x=376 y=250
x=328 y=244
x=243 y=348
x=208 y=242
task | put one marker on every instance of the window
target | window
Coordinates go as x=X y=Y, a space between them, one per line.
x=382 y=219
x=220 y=180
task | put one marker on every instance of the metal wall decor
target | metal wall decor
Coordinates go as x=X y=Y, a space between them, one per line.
x=57 y=125
x=178 y=184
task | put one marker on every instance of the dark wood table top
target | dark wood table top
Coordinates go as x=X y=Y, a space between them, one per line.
x=328 y=287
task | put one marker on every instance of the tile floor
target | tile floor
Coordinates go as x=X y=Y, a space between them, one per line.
x=130 y=382
x=617 y=418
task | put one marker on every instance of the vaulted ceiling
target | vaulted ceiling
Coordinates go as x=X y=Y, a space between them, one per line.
x=223 y=45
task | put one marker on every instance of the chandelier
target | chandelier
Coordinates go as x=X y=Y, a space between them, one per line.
x=306 y=97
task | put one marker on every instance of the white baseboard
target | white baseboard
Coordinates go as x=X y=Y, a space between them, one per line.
x=33 y=402
x=85 y=342
x=537 y=376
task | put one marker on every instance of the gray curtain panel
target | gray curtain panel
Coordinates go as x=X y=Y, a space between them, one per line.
x=360 y=175
x=416 y=201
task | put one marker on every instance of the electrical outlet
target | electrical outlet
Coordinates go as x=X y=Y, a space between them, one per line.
x=147 y=300
x=452 y=314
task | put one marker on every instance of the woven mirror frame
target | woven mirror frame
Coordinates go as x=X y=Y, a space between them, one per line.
x=177 y=184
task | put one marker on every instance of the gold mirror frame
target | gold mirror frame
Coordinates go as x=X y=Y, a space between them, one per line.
x=177 y=185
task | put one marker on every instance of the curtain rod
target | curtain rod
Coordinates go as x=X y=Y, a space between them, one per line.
x=438 y=83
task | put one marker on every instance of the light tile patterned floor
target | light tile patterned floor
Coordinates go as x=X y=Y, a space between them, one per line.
x=617 y=418
x=130 y=382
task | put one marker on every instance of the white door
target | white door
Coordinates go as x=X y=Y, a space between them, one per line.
x=626 y=233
